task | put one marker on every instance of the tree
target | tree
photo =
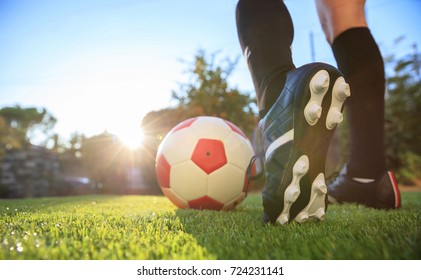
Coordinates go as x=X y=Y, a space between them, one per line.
x=9 y=137
x=155 y=125
x=28 y=123
x=70 y=153
x=206 y=94
x=106 y=161
x=402 y=115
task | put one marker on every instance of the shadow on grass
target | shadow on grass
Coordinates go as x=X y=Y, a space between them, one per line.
x=224 y=234
x=349 y=232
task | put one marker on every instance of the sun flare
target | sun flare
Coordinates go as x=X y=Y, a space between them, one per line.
x=131 y=138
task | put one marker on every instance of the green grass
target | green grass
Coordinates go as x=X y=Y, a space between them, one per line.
x=148 y=227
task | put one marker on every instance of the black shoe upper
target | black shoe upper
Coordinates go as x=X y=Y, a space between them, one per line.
x=383 y=193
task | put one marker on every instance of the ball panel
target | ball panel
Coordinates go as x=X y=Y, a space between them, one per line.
x=178 y=146
x=236 y=129
x=238 y=150
x=205 y=202
x=209 y=155
x=175 y=199
x=226 y=183
x=163 y=170
x=188 y=180
x=210 y=128
x=183 y=124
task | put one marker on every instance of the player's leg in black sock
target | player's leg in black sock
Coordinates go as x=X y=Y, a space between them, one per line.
x=266 y=32
x=359 y=59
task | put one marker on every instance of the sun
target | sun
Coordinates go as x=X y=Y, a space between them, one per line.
x=132 y=139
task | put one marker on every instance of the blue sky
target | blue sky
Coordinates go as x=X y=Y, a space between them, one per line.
x=103 y=64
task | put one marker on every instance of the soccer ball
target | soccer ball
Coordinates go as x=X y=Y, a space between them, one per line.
x=202 y=164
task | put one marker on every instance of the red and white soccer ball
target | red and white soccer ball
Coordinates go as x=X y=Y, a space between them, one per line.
x=202 y=164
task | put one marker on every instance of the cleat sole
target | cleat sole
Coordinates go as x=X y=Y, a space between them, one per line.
x=296 y=134
x=293 y=190
x=340 y=93
x=315 y=209
x=319 y=85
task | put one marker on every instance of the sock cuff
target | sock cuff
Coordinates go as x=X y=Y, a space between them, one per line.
x=356 y=48
x=349 y=36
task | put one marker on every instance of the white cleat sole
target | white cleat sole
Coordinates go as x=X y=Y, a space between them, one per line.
x=315 y=210
x=293 y=190
x=319 y=85
x=340 y=93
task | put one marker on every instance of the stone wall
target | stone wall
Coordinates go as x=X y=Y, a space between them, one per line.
x=32 y=172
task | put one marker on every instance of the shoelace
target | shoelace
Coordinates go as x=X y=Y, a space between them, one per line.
x=250 y=176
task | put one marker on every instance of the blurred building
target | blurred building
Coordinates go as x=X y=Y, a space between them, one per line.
x=32 y=172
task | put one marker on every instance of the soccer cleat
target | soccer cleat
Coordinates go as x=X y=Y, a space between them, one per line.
x=292 y=142
x=382 y=193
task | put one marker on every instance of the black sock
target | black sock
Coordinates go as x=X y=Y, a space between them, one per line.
x=361 y=63
x=266 y=32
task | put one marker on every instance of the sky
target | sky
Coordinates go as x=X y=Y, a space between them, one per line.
x=101 y=65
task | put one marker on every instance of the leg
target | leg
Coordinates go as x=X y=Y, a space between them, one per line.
x=299 y=110
x=359 y=59
x=266 y=32
x=337 y=16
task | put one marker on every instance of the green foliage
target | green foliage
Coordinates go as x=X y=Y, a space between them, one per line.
x=403 y=115
x=107 y=161
x=208 y=93
x=150 y=227
x=9 y=137
x=27 y=123
x=155 y=125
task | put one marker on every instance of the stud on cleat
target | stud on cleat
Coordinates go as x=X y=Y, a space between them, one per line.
x=301 y=166
x=313 y=113
x=315 y=210
x=320 y=214
x=343 y=92
x=301 y=218
x=283 y=219
x=292 y=192
x=320 y=187
x=320 y=82
x=319 y=85
x=340 y=93
x=334 y=117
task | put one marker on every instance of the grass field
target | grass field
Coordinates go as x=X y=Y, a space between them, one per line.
x=150 y=227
